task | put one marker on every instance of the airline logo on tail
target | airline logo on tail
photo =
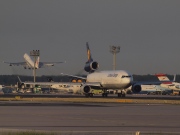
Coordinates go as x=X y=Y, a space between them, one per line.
x=90 y=65
x=37 y=63
x=88 y=53
x=162 y=77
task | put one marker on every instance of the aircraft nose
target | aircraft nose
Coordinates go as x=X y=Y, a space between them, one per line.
x=129 y=81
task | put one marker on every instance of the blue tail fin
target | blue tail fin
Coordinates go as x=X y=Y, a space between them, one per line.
x=88 y=53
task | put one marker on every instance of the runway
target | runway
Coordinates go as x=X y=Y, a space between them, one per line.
x=95 y=118
x=128 y=96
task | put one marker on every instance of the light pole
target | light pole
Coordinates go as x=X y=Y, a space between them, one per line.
x=114 y=50
x=35 y=54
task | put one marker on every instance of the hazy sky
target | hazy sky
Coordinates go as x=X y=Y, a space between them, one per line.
x=148 y=32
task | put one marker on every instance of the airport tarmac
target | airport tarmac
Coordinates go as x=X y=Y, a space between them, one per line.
x=92 y=118
x=66 y=95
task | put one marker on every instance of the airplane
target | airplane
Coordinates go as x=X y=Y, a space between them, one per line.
x=60 y=86
x=103 y=80
x=68 y=87
x=138 y=87
x=151 y=89
x=167 y=83
x=30 y=64
x=164 y=85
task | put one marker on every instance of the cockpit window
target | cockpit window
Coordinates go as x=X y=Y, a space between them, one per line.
x=126 y=76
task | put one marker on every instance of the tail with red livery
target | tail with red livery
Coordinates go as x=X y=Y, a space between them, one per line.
x=162 y=77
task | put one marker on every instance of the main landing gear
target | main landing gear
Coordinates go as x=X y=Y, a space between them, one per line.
x=89 y=95
x=105 y=93
x=121 y=93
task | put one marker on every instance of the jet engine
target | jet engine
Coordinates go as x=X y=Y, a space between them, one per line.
x=136 y=88
x=91 y=67
x=77 y=80
x=86 y=89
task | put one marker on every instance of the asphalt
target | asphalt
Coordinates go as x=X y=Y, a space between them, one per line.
x=128 y=96
x=90 y=118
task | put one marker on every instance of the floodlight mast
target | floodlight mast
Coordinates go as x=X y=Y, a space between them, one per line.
x=114 y=50
x=35 y=54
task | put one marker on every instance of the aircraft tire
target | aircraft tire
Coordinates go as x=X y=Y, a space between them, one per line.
x=119 y=95
x=90 y=94
x=86 y=95
x=123 y=95
x=104 y=94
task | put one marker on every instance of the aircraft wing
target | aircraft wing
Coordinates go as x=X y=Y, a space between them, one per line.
x=147 y=83
x=40 y=83
x=93 y=84
x=16 y=64
x=47 y=83
x=50 y=84
x=43 y=64
x=74 y=76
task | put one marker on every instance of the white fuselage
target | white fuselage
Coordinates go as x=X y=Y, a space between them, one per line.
x=68 y=87
x=172 y=86
x=117 y=79
x=148 y=88
x=29 y=61
x=153 y=88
